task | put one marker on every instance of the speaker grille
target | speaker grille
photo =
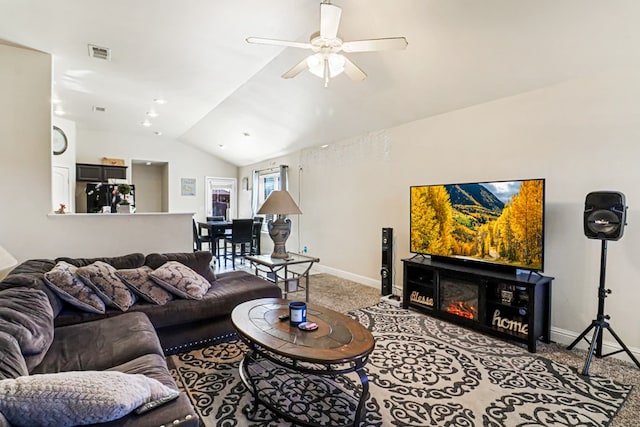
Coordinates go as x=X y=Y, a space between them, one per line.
x=604 y=215
x=602 y=221
x=386 y=271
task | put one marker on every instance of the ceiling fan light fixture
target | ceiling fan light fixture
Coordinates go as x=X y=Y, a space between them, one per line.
x=336 y=64
x=316 y=65
x=327 y=60
x=334 y=61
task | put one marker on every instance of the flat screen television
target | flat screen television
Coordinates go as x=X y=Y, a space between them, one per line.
x=498 y=223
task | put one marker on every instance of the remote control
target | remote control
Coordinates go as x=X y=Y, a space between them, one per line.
x=283 y=317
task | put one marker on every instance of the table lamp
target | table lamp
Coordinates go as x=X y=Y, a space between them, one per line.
x=7 y=261
x=281 y=204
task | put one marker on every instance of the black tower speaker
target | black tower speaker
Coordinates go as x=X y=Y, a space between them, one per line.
x=386 y=272
x=604 y=215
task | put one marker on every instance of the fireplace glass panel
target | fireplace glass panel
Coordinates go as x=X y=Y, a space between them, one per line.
x=459 y=297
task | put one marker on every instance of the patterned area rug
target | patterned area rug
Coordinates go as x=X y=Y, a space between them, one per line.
x=423 y=372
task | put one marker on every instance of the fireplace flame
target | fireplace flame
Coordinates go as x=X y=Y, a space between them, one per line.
x=462 y=309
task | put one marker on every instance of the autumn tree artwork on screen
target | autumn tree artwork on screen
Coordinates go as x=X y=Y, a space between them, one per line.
x=499 y=222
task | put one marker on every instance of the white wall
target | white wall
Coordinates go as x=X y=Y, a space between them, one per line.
x=25 y=146
x=581 y=136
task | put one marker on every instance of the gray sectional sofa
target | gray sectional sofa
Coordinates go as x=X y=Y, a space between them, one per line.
x=135 y=341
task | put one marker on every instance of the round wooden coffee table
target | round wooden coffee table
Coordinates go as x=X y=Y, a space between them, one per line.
x=312 y=378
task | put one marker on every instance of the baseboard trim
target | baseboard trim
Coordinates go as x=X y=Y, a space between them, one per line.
x=319 y=268
x=565 y=337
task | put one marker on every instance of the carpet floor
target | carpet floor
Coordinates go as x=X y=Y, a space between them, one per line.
x=424 y=371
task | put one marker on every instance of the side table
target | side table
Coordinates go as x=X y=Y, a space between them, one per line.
x=277 y=270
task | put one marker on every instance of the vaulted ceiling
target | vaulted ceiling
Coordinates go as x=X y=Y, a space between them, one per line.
x=226 y=96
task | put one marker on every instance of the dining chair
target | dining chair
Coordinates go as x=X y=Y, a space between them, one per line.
x=199 y=238
x=217 y=237
x=241 y=237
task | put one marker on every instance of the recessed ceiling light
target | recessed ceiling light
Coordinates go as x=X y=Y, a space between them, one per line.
x=158 y=133
x=160 y=101
x=152 y=113
x=148 y=163
x=324 y=146
x=146 y=123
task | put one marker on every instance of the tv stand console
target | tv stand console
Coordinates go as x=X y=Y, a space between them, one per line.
x=512 y=306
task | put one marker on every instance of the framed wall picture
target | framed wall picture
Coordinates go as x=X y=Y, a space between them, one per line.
x=187 y=186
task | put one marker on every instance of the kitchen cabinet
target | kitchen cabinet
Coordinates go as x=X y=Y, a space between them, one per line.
x=99 y=173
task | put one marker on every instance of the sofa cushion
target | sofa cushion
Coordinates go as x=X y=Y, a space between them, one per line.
x=106 y=343
x=200 y=262
x=63 y=281
x=39 y=265
x=78 y=397
x=34 y=280
x=102 y=278
x=26 y=315
x=12 y=363
x=180 y=280
x=139 y=281
x=134 y=260
x=230 y=289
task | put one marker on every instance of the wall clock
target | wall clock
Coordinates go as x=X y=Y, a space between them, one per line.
x=60 y=142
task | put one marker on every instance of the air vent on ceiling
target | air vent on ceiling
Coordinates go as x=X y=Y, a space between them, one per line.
x=98 y=109
x=98 y=52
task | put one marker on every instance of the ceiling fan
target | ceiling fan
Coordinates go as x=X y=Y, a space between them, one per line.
x=327 y=60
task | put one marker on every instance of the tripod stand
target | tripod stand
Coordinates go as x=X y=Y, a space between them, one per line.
x=600 y=323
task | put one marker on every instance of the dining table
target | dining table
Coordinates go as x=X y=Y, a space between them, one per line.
x=216 y=228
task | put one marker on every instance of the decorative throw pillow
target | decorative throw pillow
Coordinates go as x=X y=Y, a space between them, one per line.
x=27 y=316
x=199 y=261
x=140 y=283
x=180 y=280
x=63 y=281
x=77 y=397
x=101 y=277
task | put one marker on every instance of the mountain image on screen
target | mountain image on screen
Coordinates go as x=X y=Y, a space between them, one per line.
x=499 y=222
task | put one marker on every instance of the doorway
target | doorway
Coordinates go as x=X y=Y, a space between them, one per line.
x=220 y=197
x=151 y=183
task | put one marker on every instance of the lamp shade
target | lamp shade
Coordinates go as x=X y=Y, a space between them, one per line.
x=6 y=262
x=279 y=202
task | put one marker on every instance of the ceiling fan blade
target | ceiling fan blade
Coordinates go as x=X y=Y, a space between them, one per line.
x=258 y=40
x=329 y=20
x=297 y=69
x=353 y=71
x=393 y=43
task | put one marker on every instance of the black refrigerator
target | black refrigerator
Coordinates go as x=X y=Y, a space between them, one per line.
x=100 y=195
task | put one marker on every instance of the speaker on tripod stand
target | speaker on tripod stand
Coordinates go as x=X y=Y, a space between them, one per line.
x=604 y=219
